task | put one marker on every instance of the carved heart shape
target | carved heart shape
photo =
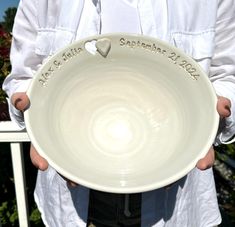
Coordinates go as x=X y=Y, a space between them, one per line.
x=103 y=46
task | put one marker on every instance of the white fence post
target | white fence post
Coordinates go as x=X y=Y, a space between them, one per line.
x=19 y=180
x=9 y=133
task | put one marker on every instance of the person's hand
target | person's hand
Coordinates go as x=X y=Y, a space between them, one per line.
x=37 y=160
x=21 y=102
x=207 y=161
x=42 y=164
x=223 y=108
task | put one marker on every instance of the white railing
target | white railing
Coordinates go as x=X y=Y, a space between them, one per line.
x=9 y=133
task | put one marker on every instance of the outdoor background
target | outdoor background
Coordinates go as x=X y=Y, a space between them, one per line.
x=224 y=168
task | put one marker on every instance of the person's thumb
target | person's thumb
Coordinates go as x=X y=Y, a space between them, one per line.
x=20 y=101
x=207 y=161
x=37 y=160
x=223 y=107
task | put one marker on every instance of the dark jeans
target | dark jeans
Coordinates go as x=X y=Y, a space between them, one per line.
x=111 y=210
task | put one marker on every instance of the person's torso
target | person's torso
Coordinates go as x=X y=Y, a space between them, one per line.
x=188 y=25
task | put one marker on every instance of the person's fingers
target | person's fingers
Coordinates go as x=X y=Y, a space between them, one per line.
x=69 y=182
x=20 y=101
x=37 y=160
x=223 y=106
x=207 y=161
x=42 y=164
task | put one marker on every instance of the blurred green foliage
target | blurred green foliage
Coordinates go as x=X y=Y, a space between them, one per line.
x=224 y=170
x=8 y=206
x=8 y=19
x=5 y=66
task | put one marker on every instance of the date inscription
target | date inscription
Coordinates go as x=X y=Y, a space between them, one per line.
x=188 y=67
x=173 y=57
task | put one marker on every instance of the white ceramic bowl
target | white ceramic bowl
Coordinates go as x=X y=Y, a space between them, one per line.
x=135 y=115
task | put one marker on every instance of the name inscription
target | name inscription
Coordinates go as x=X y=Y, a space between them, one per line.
x=57 y=64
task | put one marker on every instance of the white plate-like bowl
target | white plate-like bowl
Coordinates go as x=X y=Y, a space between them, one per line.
x=135 y=115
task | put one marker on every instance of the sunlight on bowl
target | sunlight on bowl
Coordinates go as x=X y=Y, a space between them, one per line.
x=131 y=121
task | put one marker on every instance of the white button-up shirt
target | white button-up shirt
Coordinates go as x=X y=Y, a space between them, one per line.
x=202 y=29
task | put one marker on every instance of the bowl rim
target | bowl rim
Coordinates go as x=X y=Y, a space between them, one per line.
x=121 y=189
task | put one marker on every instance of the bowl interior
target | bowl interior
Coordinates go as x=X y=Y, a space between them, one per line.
x=129 y=122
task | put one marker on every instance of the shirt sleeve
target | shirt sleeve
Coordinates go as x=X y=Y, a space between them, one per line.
x=222 y=71
x=24 y=61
